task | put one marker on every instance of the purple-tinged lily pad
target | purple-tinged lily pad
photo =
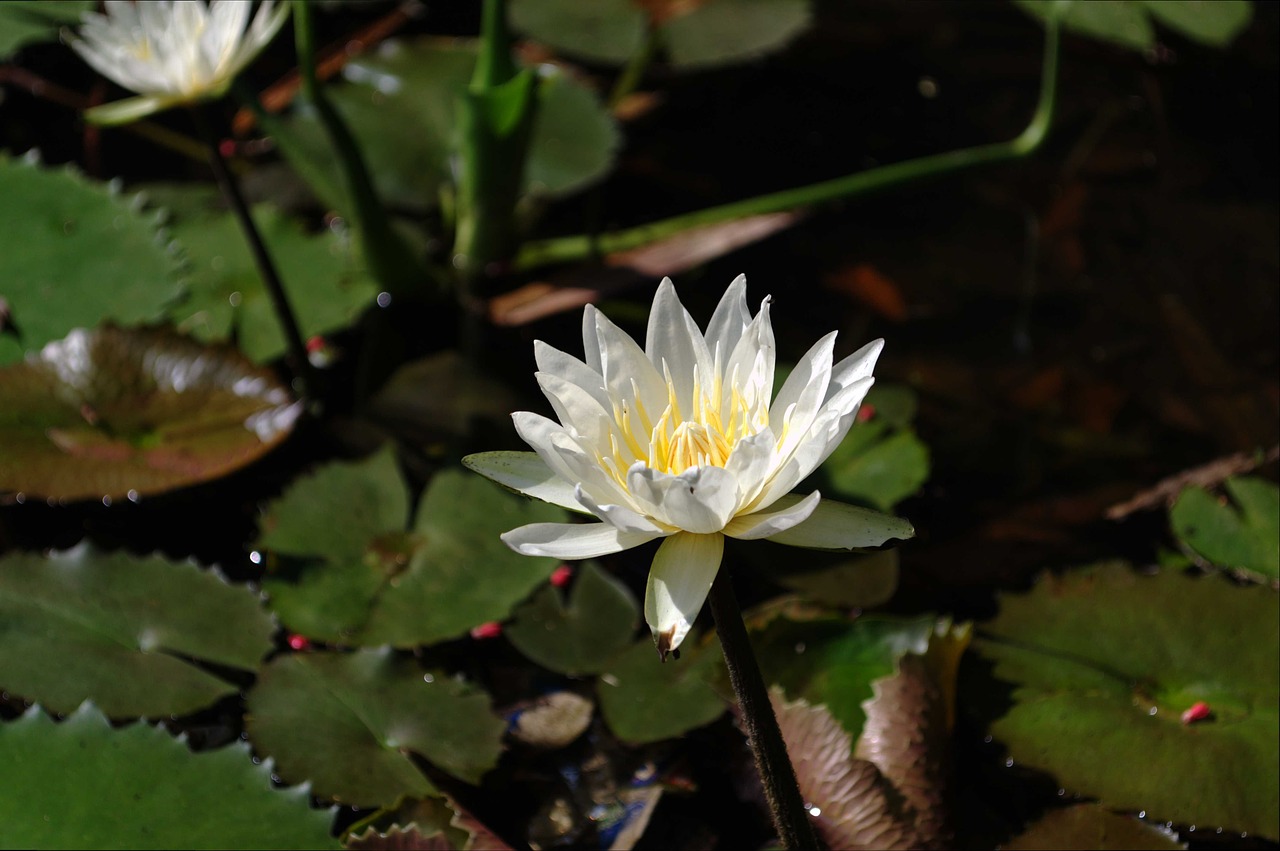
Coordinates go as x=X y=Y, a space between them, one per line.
x=1103 y=663
x=114 y=412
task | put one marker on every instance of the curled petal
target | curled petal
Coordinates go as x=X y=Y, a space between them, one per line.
x=789 y=511
x=700 y=500
x=572 y=541
x=620 y=516
x=836 y=526
x=855 y=367
x=679 y=580
x=552 y=360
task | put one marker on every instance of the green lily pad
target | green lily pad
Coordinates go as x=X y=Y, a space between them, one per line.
x=86 y=785
x=1246 y=535
x=644 y=699
x=371 y=581
x=349 y=723
x=715 y=32
x=133 y=635
x=883 y=473
x=1130 y=23
x=117 y=412
x=1109 y=657
x=579 y=638
x=73 y=254
x=326 y=282
x=840 y=581
x=24 y=22
x=1091 y=826
x=402 y=103
x=834 y=661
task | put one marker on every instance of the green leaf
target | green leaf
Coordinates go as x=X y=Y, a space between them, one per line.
x=1128 y=23
x=326 y=283
x=133 y=635
x=834 y=661
x=1113 y=658
x=24 y=22
x=1091 y=826
x=373 y=582
x=609 y=31
x=402 y=107
x=862 y=581
x=580 y=638
x=719 y=32
x=644 y=699
x=349 y=724
x=1247 y=537
x=86 y=785
x=74 y=254
x=884 y=474
x=116 y=412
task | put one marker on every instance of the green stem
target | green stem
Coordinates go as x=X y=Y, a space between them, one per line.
x=296 y=352
x=633 y=73
x=389 y=259
x=572 y=248
x=790 y=818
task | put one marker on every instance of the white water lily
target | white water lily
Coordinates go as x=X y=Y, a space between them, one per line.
x=172 y=53
x=681 y=441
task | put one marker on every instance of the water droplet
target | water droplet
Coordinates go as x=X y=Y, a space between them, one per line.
x=235 y=298
x=255 y=557
x=799 y=647
x=428 y=678
x=1152 y=711
x=106 y=500
x=986 y=740
x=1191 y=828
x=384 y=299
x=1008 y=763
x=20 y=498
x=1061 y=792
x=257 y=760
x=928 y=88
x=133 y=496
x=815 y=811
x=1142 y=814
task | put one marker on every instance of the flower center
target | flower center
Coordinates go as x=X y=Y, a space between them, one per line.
x=694 y=445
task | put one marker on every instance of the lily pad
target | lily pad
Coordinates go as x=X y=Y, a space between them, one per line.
x=402 y=103
x=86 y=785
x=1246 y=535
x=116 y=412
x=581 y=637
x=73 y=254
x=373 y=581
x=646 y=700
x=714 y=32
x=134 y=635
x=861 y=581
x=24 y=22
x=1094 y=827
x=1130 y=23
x=326 y=282
x=1109 y=657
x=349 y=724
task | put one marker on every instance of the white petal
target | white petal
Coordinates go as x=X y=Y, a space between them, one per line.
x=127 y=110
x=836 y=526
x=675 y=346
x=627 y=371
x=730 y=319
x=620 y=516
x=787 y=513
x=751 y=464
x=751 y=363
x=552 y=360
x=805 y=389
x=526 y=473
x=590 y=339
x=538 y=431
x=855 y=367
x=572 y=540
x=679 y=580
x=578 y=410
x=700 y=500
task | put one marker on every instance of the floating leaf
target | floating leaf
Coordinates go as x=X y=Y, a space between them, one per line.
x=713 y=32
x=646 y=700
x=1130 y=23
x=372 y=582
x=117 y=412
x=73 y=254
x=581 y=637
x=134 y=635
x=86 y=785
x=1094 y=827
x=861 y=581
x=326 y=283
x=348 y=724
x=1246 y=537
x=24 y=22
x=882 y=474
x=402 y=103
x=1105 y=656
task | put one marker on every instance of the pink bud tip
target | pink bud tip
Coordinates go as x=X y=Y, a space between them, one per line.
x=492 y=629
x=561 y=575
x=1199 y=711
x=227 y=147
x=299 y=642
x=315 y=344
x=865 y=413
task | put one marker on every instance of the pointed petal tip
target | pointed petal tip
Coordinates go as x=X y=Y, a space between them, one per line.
x=666 y=643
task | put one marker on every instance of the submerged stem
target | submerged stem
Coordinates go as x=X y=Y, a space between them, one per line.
x=296 y=355
x=790 y=818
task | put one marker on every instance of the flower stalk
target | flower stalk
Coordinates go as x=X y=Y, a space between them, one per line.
x=790 y=818
x=296 y=352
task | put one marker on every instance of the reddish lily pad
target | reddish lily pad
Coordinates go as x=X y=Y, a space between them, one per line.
x=1111 y=659
x=115 y=412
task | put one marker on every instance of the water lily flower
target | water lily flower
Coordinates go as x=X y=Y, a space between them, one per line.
x=682 y=441
x=172 y=53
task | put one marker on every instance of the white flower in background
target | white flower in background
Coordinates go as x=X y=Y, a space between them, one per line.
x=680 y=441
x=172 y=53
